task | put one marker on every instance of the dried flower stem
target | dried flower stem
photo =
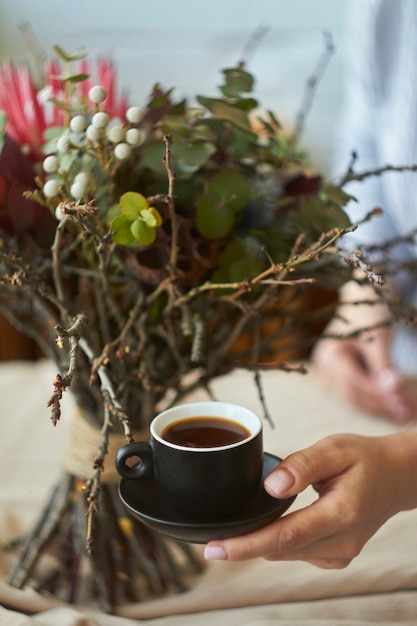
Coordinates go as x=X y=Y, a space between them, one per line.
x=352 y=176
x=171 y=204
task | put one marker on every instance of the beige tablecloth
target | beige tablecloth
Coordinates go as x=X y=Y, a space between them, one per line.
x=380 y=586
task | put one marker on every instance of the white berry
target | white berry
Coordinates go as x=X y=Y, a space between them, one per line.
x=122 y=151
x=82 y=177
x=78 y=124
x=50 y=164
x=134 y=115
x=134 y=136
x=78 y=189
x=116 y=134
x=51 y=188
x=59 y=214
x=100 y=119
x=97 y=94
x=63 y=143
x=92 y=133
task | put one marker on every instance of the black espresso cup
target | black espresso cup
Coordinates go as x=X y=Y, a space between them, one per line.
x=206 y=458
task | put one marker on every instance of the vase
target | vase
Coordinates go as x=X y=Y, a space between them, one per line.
x=123 y=561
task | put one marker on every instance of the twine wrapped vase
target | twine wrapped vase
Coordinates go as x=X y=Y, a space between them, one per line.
x=128 y=562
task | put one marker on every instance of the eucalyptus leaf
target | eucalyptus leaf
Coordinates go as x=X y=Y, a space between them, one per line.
x=226 y=111
x=60 y=105
x=193 y=154
x=214 y=220
x=68 y=58
x=53 y=132
x=238 y=262
x=67 y=160
x=151 y=157
x=246 y=104
x=121 y=228
x=177 y=127
x=112 y=213
x=337 y=195
x=151 y=217
x=132 y=204
x=237 y=81
x=245 y=267
x=232 y=188
x=76 y=78
x=320 y=216
x=142 y=233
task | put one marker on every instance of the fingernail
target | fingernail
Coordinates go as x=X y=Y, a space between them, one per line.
x=278 y=482
x=215 y=553
x=388 y=379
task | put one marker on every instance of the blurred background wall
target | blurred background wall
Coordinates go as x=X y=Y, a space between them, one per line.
x=185 y=44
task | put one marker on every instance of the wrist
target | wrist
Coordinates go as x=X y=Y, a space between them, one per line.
x=402 y=448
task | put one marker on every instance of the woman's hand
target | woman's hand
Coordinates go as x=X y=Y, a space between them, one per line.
x=359 y=367
x=361 y=482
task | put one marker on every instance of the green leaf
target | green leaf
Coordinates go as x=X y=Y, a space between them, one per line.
x=151 y=217
x=122 y=233
x=246 y=104
x=111 y=213
x=132 y=204
x=193 y=154
x=274 y=119
x=65 y=56
x=53 y=132
x=77 y=78
x=337 y=195
x=231 y=187
x=67 y=160
x=237 y=262
x=226 y=111
x=237 y=81
x=213 y=220
x=142 y=233
x=159 y=98
x=151 y=158
x=245 y=267
x=322 y=216
x=60 y=105
x=203 y=132
x=177 y=127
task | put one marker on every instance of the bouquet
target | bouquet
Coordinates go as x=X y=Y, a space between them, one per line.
x=147 y=250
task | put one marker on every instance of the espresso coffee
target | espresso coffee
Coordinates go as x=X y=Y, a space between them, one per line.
x=204 y=432
x=214 y=469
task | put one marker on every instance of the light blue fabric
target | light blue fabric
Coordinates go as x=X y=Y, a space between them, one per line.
x=380 y=124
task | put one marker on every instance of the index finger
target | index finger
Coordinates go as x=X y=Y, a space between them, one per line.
x=291 y=532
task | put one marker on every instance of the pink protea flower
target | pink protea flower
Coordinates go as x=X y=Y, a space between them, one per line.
x=26 y=122
x=30 y=112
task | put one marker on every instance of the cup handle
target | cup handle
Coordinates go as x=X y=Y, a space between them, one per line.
x=141 y=449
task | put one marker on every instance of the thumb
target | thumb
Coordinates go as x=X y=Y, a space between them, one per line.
x=323 y=460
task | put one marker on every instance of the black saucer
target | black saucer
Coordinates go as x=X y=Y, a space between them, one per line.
x=144 y=501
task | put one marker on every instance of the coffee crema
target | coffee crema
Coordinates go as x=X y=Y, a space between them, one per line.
x=205 y=432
